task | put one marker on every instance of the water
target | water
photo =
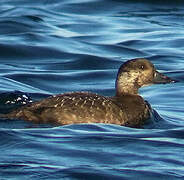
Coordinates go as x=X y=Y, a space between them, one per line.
x=49 y=47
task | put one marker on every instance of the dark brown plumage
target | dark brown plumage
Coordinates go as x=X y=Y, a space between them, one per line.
x=125 y=108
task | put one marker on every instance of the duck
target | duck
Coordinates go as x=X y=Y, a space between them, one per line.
x=125 y=108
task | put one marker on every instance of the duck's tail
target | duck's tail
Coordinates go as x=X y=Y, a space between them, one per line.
x=3 y=115
x=12 y=115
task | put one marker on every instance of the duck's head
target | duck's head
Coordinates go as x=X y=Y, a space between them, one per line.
x=137 y=73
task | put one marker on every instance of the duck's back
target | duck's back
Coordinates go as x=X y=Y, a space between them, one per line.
x=72 y=108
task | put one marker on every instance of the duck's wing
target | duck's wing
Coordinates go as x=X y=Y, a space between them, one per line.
x=71 y=108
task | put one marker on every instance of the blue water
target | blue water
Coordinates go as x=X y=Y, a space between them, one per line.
x=50 y=47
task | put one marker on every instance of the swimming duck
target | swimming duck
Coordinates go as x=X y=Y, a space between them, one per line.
x=125 y=108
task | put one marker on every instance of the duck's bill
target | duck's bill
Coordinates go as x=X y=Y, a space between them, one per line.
x=159 y=78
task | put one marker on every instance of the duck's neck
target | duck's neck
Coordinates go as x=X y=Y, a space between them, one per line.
x=126 y=85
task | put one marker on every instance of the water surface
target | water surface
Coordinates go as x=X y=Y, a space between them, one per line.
x=50 y=47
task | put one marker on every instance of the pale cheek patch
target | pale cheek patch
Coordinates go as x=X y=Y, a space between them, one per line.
x=126 y=81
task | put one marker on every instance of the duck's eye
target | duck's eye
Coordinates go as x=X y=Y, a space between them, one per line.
x=142 y=67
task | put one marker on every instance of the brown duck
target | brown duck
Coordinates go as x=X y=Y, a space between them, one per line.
x=126 y=108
